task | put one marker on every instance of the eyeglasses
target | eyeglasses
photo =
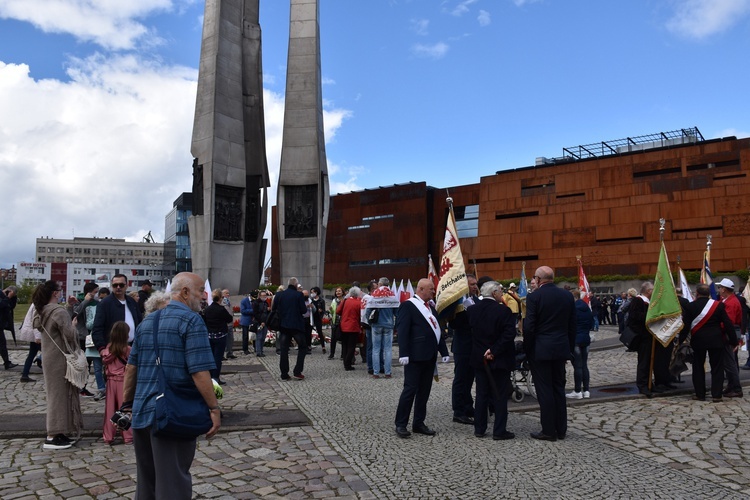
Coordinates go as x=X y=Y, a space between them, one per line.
x=118 y=285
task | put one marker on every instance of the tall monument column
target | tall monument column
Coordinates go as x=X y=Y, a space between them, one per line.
x=303 y=194
x=230 y=172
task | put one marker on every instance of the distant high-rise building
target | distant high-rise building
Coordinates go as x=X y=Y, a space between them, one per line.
x=177 y=256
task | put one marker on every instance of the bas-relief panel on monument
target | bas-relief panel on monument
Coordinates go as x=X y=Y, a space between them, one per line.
x=252 y=208
x=228 y=213
x=197 y=188
x=300 y=216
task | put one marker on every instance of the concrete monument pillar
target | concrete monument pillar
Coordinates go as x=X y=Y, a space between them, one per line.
x=303 y=194
x=230 y=172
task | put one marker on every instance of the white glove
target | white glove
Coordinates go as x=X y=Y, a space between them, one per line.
x=446 y=359
x=404 y=361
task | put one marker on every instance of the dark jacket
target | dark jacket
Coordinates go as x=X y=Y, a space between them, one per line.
x=290 y=304
x=108 y=312
x=549 y=332
x=715 y=332
x=246 y=311
x=260 y=311
x=584 y=323
x=216 y=317
x=416 y=338
x=493 y=327
x=637 y=317
x=462 y=343
x=143 y=296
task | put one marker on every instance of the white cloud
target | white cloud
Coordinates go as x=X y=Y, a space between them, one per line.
x=111 y=24
x=703 y=18
x=521 y=3
x=349 y=173
x=107 y=152
x=484 y=18
x=420 y=26
x=462 y=8
x=434 y=51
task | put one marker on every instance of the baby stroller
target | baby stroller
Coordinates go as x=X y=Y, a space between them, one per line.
x=520 y=378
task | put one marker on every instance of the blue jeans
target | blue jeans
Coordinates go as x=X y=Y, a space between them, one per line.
x=382 y=345
x=581 y=367
x=260 y=339
x=98 y=375
x=596 y=322
x=368 y=347
x=34 y=348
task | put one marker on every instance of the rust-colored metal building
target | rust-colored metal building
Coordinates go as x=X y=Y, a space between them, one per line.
x=601 y=201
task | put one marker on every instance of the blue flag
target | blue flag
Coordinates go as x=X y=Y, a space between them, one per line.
x=523 y=285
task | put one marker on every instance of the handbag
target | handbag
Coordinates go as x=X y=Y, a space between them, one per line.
x=630 y=338
x=274 y=321
x=682 y=354
x=373 y=317
x=180 y=412
x=77 y=368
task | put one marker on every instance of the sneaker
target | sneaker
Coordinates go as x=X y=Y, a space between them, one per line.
x=87 y=394
x=574 y=395
x=100 y=395
x=586 y=394
x=27 y=379
x=299 y=376
x=59 y=442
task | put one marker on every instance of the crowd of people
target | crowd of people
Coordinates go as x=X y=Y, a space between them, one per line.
x=552 y=324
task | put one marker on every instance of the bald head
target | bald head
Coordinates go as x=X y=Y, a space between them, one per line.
x=425 y=289
x=544 y=274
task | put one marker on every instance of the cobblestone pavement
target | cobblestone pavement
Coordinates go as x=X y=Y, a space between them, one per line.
x=631 y=447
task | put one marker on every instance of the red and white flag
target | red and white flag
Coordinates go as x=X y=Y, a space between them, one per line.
x=583 y=284
x=431 y=273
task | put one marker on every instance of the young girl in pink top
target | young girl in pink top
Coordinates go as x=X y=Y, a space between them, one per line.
x=114 y=359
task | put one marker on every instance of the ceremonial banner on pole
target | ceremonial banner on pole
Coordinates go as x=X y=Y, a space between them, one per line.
x=453 y=284
x=207 y=295
x=706 y=276
x=523 y=284
x=664 y=316
x=685 y=287
x=431 y=273
x=583 y=284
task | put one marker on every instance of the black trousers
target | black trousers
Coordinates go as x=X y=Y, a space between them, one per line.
x=285 y=338
x=549 y=380
x=716 y=358
x=493 y=386
x=348 y=345
x=416 y=392
x=463 y=378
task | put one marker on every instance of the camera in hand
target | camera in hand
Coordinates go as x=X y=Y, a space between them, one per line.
x=121 y=420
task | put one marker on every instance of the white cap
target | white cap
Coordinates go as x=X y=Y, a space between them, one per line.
x=512 y=285
x=726 y=283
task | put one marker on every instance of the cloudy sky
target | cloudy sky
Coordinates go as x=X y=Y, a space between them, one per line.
x=97 y=96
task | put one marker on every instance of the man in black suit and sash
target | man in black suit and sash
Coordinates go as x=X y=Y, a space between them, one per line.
x=419 y=340
x=710 y=327
x=549 y=335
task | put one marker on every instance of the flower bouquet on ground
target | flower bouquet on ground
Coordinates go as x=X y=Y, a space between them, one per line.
x=270 y=339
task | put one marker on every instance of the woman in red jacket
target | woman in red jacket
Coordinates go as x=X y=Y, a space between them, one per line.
x=349 y=312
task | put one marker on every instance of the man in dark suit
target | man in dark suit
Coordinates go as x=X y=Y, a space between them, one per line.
x=117 y=306
x=291 y=307
x=493 y=356
x=709 y=327
x=419 y=340
x=549 y=335
x=463 y=372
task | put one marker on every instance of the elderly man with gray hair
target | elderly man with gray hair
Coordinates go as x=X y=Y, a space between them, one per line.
x=493 y=356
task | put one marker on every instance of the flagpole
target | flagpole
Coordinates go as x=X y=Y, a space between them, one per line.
x=653 y=337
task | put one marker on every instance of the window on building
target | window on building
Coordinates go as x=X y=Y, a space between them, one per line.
x=467 y=221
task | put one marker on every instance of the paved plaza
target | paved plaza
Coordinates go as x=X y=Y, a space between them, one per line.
x=332 y=436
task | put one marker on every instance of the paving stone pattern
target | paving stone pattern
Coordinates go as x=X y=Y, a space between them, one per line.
x=622 y=447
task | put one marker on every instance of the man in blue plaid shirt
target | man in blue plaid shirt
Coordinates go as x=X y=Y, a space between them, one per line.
x=163 y=464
